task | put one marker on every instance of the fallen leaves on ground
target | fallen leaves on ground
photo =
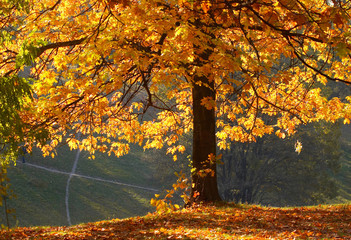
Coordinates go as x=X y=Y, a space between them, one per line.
x=220 y=221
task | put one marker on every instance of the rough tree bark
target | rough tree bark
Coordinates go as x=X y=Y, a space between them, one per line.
x=204 y=188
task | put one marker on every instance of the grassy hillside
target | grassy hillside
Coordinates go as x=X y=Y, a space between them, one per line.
x=41 y=194
x=344 y=175
x=225 y=221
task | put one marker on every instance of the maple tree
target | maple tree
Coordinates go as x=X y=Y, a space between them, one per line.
x=213 y=68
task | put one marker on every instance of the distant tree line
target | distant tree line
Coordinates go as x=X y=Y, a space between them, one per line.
x=270 y=172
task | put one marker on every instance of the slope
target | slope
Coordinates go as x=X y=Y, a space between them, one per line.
x=100 y=189
x=222 y=221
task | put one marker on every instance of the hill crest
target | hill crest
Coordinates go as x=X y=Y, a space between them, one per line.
x=220 y=221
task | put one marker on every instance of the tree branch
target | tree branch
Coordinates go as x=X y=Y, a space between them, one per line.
x=42 y=49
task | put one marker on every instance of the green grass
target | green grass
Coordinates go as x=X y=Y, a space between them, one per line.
x=63 y=160
x=344 y=176
x=100 y=201
x=40 y=195
x=130 y=168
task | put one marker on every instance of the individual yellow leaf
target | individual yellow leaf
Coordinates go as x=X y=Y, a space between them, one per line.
x=298 y=147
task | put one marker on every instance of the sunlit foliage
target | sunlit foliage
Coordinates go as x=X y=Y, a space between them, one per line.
x=100 y=65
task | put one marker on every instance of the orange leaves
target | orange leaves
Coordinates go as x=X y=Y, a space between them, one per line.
x=166 y=205
x=206 y=5
x=263 y=58
x=124 y=3
x=333 y=15
x=208 y=102
x=225 y=221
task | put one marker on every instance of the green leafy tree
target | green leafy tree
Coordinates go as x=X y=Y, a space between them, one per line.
x=269 y=172
x=15 y=93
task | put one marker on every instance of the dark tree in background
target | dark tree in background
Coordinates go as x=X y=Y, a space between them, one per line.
x=270 y=172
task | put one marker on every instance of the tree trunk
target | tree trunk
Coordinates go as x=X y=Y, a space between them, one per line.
x=204 y=182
